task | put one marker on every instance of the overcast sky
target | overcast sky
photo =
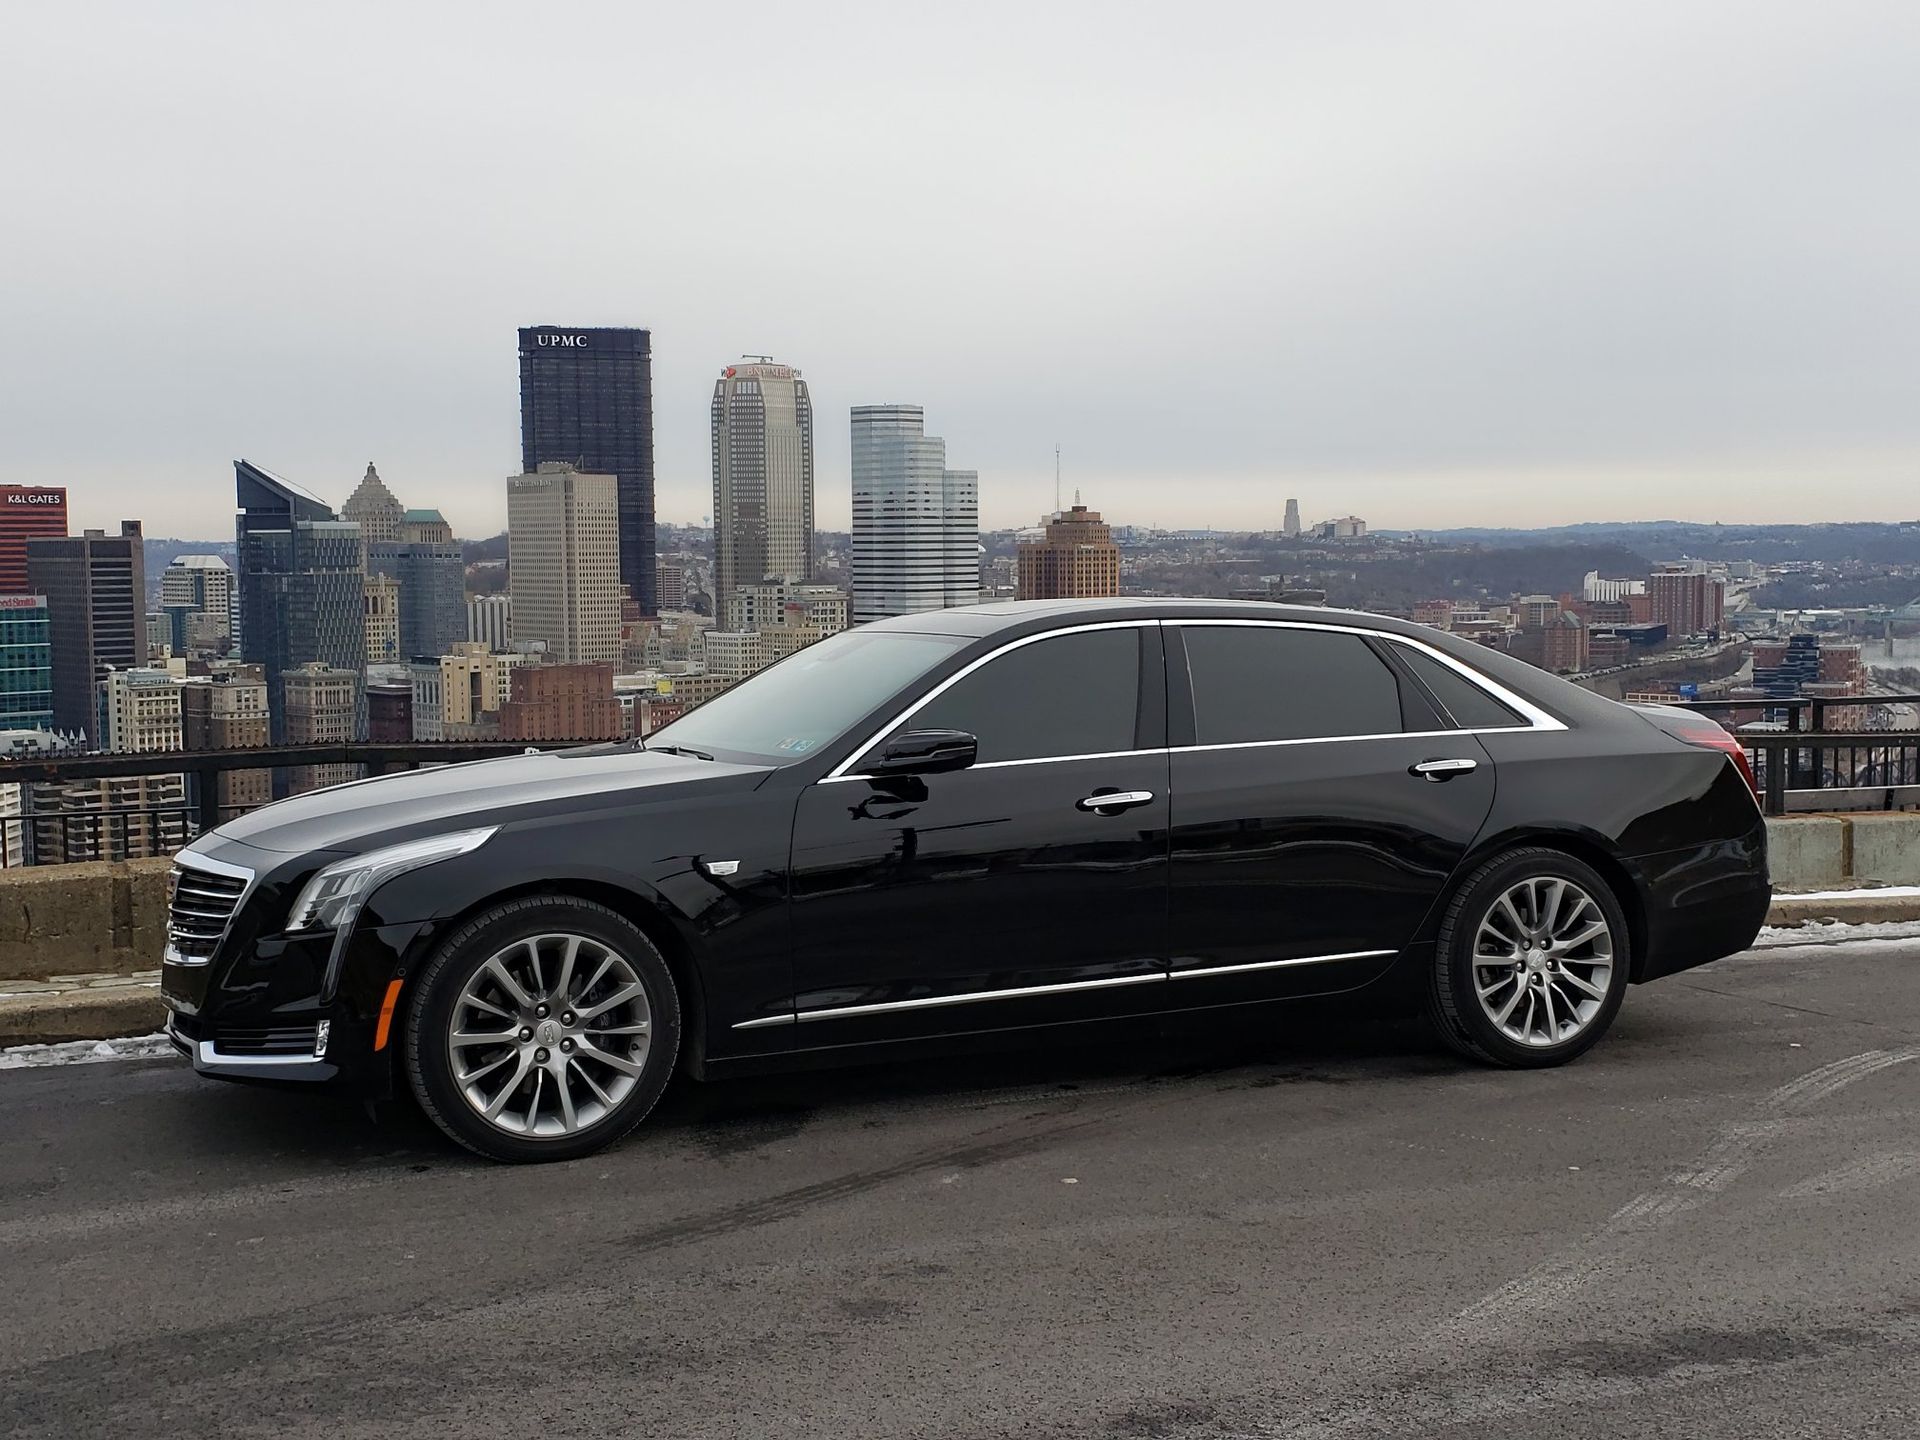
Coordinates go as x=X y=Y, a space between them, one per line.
x=1431 y=263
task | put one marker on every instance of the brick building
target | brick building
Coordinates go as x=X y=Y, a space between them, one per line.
x=562 y=702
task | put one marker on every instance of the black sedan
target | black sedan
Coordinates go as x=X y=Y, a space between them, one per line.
x=1008 y=817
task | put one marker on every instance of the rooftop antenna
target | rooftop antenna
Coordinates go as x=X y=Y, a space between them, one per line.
x=1056 y=477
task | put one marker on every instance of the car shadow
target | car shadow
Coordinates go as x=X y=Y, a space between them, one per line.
x=1315 y=1042
x=1325 y=1042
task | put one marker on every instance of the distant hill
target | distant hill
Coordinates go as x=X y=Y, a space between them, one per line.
x=1888 y=544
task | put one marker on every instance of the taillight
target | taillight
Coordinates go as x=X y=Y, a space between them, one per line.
x=1699 y=730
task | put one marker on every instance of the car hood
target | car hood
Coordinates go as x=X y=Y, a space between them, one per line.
x=355 y=817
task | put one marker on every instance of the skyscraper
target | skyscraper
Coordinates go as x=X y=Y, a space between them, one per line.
x=302 y=573
x=374 y=508
x=673 y=585
x=140 y=711
x=95 y=586
x=227 y=710
x=432 y=576
x=383 y=619
x=26 y=665
x=916 y=524
x=323 y=707
x=1290 y=527
x=762 y=477
x=1687 y=601
x=200 y=585
x=1075 y=559
x=489 y=621
x=563 y=563
x=586 y=399
x=425 y=527
x=26 y=511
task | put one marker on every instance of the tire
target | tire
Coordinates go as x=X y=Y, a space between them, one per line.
x=573 y=1084
x=1559 y=998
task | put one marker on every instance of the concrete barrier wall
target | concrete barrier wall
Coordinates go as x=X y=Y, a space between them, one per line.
x=80 y=919
x=1812 y=852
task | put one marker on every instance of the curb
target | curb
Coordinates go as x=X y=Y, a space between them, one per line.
x=1866 y=908
x=63 y=1015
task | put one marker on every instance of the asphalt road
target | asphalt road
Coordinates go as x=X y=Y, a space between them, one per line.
x=1708 y=1227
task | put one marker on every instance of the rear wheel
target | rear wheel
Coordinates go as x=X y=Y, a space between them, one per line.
x=1531 y=962
x=543 y=1029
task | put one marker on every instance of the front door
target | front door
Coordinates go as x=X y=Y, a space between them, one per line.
x=1320 y=806
x=1005 y=894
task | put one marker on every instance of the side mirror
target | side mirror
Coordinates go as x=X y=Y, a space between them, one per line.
x=924 y=752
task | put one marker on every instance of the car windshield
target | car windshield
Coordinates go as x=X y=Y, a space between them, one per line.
x=790 y=710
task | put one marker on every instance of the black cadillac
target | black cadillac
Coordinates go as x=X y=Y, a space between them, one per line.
x=1008 y=817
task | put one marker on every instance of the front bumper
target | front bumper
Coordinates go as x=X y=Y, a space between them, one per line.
x=278 y=1010
x=300 y=1058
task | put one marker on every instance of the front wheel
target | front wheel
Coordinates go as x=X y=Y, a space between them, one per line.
x=542 y=1029
x=1531 y=962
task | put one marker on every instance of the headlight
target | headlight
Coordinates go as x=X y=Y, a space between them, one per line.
x=331 y=899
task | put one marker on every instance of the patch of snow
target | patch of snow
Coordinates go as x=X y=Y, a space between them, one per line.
x=1859 y=892
x=86 y=1052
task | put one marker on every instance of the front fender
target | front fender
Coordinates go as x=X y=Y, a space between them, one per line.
x=726 y=933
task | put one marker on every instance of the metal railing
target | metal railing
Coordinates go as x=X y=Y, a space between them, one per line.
x=1809 y=767
x=86 y=825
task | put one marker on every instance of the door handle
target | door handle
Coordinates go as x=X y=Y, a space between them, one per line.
x=1442 y=769
x=1112 y=802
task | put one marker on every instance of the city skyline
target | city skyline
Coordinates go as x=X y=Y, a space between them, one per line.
x=1430 y=265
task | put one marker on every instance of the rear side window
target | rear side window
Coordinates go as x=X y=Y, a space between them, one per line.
x=1471 y=707
x=1069 y=695
x=1258 y=682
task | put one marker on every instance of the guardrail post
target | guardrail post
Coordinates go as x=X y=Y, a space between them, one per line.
x=207 y=786
x=1776 y=787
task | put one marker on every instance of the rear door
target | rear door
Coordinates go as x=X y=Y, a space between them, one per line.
x=1321 y=801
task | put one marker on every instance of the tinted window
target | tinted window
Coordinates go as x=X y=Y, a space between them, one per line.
x=1070 y=695
x=789 y=710
x=1256 y=682
x=1469 y=705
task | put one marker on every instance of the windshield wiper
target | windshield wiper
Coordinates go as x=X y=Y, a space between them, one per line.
x=679 y=750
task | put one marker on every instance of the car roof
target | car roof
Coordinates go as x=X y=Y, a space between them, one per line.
x=1011 y=618
x=1011 y=615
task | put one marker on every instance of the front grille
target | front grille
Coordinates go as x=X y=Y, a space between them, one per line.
x=200 y=908
x=286 y=1040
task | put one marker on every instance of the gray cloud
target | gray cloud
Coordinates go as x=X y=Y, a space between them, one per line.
x=1470 y=263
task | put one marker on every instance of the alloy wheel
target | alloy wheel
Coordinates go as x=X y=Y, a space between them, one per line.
x=549 y=1035
x=1543 y=961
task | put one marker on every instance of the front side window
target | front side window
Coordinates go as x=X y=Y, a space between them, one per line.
x=1076 y=694
x=790 y=710
x=1261 y=682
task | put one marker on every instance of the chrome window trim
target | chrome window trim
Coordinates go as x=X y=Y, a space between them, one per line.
x=968 y=997
x=1344 y=739
x=188 y=860
x=1036 y=760
x=1535 y=718
x=841 y=771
